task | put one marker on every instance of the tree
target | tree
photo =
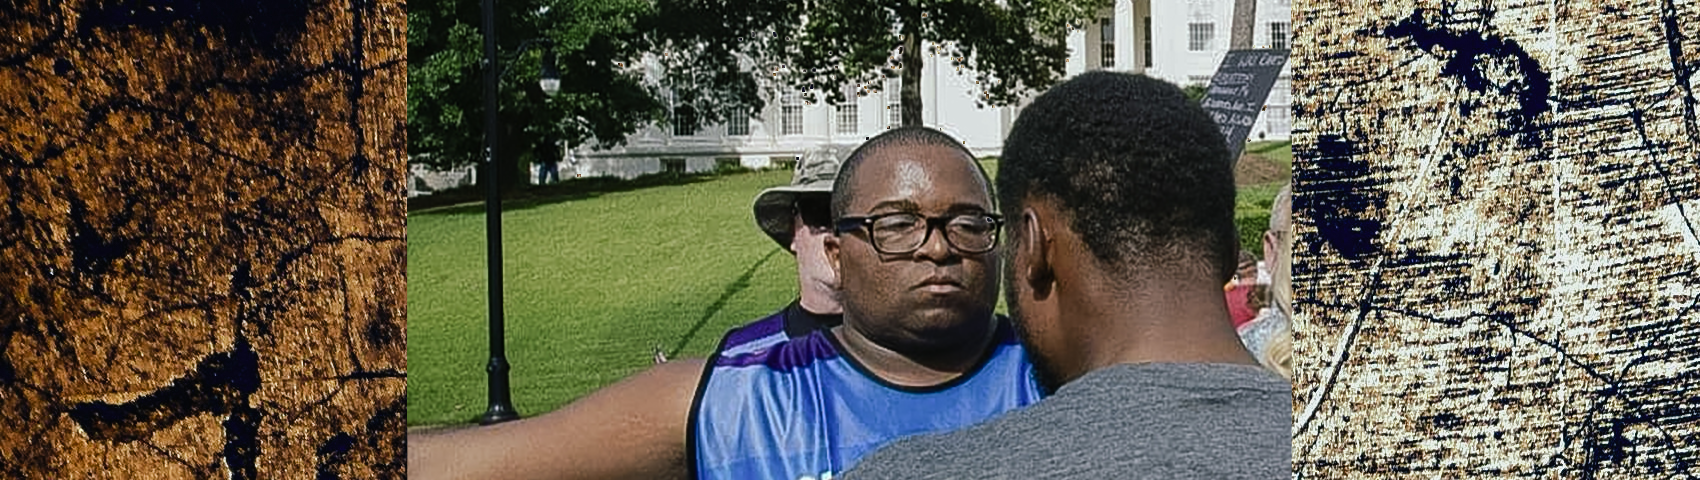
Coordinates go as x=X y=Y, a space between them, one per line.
x=819 y=47
x=1245 y=23
x=603 y=95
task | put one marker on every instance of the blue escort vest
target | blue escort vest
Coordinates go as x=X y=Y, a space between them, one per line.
x=772 y=406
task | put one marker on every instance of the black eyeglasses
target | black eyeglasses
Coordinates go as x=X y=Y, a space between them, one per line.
x=901 y=233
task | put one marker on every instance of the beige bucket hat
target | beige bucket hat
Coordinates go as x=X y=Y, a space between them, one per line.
x=813 y=176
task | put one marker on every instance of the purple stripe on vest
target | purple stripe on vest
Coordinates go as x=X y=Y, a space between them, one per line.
x=785 y=356
x=800 y=351
x=756 y=330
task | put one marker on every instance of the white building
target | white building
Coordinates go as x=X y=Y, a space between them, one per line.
x=1179 y=41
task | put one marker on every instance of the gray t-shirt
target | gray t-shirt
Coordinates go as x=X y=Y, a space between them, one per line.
x=1154 y=420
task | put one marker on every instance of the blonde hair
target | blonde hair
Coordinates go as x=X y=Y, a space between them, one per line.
x=1281 y=266
x=1279 y=352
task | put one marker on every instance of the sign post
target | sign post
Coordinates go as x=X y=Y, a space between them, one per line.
x=1238 y=90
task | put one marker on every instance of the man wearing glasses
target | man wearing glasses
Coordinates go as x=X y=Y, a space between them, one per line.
x=920 y=349
x=914 y=249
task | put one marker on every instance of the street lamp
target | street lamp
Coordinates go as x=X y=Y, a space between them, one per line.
x=550 y=81
x=501 y=407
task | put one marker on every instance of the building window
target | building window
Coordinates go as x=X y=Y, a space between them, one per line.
x=1278 y=35
x=1200 y=36
x=684 y=121
x=1281 y=93
x=893 y=102
x=1107 y=43
x=847 y=117
x=1279 y=119
x=791 y=114
x=673 y=165
x=738 y=124
x=1147 y=35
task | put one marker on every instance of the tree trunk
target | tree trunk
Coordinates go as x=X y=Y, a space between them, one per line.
x=1245 y=24
x=912 y=67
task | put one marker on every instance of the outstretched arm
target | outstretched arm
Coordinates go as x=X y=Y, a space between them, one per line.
x=631 y=429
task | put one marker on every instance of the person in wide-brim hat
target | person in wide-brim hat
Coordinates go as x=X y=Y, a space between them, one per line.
x=798 y=217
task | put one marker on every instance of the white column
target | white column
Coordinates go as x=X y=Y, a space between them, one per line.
x=1076 y=53
x=1136 y=43
x=1123 y=18
x=930 y=86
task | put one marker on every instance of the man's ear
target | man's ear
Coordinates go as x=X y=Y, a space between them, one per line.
x=1035 y=251
x=830 y=245
x=1269 y=248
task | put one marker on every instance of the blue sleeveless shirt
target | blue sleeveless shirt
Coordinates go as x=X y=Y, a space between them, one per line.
x=777 y=407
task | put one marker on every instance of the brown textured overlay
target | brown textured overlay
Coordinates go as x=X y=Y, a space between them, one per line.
x=202 y=239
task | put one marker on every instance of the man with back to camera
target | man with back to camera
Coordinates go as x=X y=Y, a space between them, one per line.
x=1121 y=195
x=919 y=351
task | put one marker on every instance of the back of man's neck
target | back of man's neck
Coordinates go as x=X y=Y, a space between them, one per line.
x=1173 y=327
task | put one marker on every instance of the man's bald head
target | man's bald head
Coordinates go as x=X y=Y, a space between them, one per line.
x=901 y=136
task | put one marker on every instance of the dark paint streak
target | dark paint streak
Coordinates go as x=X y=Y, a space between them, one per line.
x=1612 y=448
x=1342 y=197
x=1684 y=74
x=333 y=453
x=92 y=253
x=1471 y=50
x=270 y=29
x=219 y=382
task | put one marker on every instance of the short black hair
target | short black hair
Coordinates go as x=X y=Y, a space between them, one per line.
x=901 y=136
x=1142 y=173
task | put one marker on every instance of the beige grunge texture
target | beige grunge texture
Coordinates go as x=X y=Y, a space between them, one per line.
x=202 y=239
x=1497 y=262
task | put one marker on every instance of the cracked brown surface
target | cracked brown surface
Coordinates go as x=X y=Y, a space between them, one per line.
x=202 y=239
x=1497 y=270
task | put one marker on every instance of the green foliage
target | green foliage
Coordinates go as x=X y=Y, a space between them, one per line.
x=1251 y=214
x=602 y=96
x=1195 y=92
x=820 y=47
x=718 y=59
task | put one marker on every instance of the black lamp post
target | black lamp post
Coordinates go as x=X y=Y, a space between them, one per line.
x=501 y=405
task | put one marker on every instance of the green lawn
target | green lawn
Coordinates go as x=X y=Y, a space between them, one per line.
x=593 y=283
x=1280 y=151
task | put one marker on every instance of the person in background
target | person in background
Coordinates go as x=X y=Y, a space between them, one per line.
x=1271 y=324
x=798 y=217
x=1238 y=290
x=549 y=164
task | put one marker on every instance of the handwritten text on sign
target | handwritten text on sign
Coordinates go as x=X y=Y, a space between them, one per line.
x=1238 y=90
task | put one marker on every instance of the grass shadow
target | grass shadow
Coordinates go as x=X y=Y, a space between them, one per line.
x=736 y=286
x=469 y=200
